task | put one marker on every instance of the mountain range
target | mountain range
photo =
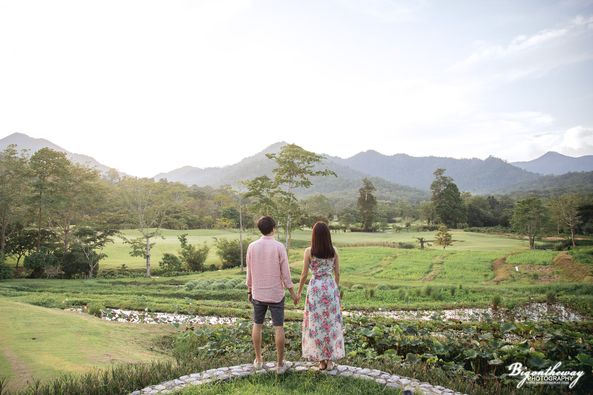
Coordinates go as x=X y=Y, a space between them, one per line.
x=398 y=175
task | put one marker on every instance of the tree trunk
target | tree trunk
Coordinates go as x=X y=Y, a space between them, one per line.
x=147 y=254
x=572 y=237
x=532 y=242
x=3 y=236
x=287 y=243
x=241 y=234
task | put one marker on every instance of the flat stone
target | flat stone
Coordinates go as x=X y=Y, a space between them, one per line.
x=301 y=368
x=183 y=378
x=136 y=393
x=269 y=365
x=374 y=373
x=346 y=374
x=365 y=371
x=195 y=375
x=332 y=372
x=380 y=381
x=160 y=387
x=342 y=368
x=405 y=381
x=393 y=385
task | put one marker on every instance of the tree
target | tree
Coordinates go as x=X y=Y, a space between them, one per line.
x=90 y=242
x=192 y=256
x=446 y=200
x=148 y=202
x=294 y=168
x=565 y=210
x=367 y=204
x=14 y=173
x=427 y=212
x=229 y=251
x=49 y=168
x=422 y=242
x=529 y=218
x=443 y=237
x=348 y=216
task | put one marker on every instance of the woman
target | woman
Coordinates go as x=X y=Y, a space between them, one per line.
x=322 y=335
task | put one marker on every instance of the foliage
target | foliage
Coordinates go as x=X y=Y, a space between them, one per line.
x=529 y=218
x=229 y=251
x=443 y=237
x=6 y=271
x=170 y=263
x=38 y=262
x=192 y=256
x=446 y=199
x=367 y=204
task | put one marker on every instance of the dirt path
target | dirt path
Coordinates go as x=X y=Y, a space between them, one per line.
x=501 y=269
x=436 y=267
x=572 y=270
x=21 y=374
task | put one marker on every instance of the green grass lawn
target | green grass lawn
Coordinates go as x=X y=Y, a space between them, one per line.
x=41 y=343
x=118 y=252
x=291 y=383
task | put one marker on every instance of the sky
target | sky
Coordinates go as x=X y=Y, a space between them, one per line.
x=149 y=86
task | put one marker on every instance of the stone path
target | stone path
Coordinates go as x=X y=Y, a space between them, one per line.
x=233 y=372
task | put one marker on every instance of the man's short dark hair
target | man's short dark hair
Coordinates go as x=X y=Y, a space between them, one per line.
x=266 y=225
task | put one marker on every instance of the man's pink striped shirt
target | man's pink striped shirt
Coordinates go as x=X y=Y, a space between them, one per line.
x=267 y=270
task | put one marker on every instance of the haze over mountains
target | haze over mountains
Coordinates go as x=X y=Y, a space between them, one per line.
x=394 y=175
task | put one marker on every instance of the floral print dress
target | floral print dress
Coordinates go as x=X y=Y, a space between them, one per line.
x=322 y=335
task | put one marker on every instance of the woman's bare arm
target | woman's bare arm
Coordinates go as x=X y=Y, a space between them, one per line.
x=305 y=273
x=337 y=268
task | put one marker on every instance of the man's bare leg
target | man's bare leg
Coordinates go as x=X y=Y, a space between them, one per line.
x=256 y=337
x=279 y=337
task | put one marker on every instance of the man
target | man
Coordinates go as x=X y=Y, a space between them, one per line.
x=267 y=276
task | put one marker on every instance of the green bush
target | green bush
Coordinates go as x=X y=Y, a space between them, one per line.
x=170 y=263
x=357 y=286
x=6 y=271
x=39 y=261
x=95 y=309
x=75 y=263
x=193 y=256
x=383 y=287
x=229 y=252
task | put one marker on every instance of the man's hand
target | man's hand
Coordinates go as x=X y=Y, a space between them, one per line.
x=249 y=297
x=294 y=296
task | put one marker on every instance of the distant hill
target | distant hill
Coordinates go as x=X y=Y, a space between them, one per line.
x=24 y=142
x=473 y=175
x=577 y=182
x=344 y=186
x=553 y=163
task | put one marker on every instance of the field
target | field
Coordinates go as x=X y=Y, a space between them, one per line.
x=40 y=343
x=377 y=273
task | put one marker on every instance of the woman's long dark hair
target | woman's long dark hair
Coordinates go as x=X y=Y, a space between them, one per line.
x=321 y=241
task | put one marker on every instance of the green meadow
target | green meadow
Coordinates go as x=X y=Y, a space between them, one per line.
x=378 y=271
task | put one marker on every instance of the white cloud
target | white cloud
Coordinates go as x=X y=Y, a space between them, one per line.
x=532 y=55
x=577 y=141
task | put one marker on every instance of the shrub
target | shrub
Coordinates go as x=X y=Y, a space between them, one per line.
x=407 y=246
x=6 y=271
x=75 y=263
x=357 y=286
x=95 y=309
x=193 y=256
x=551 y=297
x=39 y=261
x=170 y=263
x=383 y=287
x=369 y=293
x=496 y=300
x=229 y=252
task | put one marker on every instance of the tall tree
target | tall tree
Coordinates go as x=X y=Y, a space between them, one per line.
x=294 y=168
x=90 y=242
x=148 y=202
x=367 y=204
x=565 y=210
x=529 y=218
x=446 y=199
x=49 y=169
x=14 y=175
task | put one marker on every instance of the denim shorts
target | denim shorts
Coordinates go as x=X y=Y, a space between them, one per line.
x=276 y=310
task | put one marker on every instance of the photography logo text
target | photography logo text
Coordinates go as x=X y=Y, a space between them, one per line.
x=551 y=375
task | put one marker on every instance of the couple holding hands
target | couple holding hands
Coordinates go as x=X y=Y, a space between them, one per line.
x=268 y=274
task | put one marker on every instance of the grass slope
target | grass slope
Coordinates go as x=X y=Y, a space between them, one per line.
x=43 y=343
